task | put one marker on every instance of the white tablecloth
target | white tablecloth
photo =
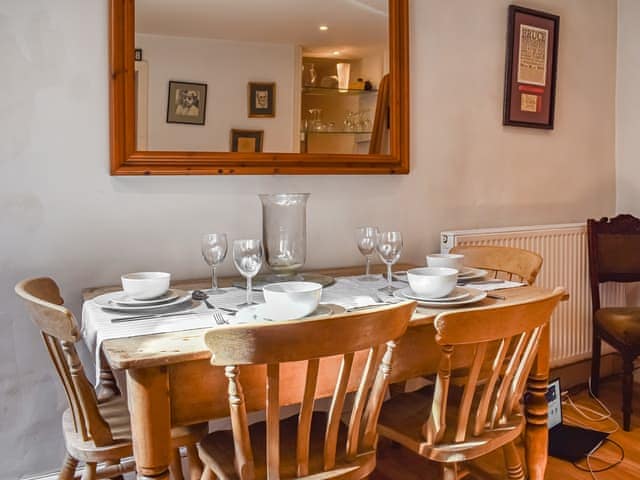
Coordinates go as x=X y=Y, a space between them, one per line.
x=97 y=325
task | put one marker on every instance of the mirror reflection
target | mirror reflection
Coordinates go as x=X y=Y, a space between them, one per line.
x=252 y=76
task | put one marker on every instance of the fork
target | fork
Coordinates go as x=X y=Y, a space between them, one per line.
x=217 y=316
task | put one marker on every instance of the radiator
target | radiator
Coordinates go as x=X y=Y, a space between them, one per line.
x=564 y=250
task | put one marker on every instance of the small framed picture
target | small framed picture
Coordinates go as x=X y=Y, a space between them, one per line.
x=247 y=141
x=262 y=99
x=531 y=68
x=187 y=103
x=138 y=54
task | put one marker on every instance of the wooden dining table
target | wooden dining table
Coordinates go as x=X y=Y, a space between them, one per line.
x=170 y=380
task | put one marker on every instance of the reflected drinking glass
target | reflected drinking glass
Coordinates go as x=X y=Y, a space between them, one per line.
x=366 y=238
x=247 y=257
x=389 y=246
x=214 y=251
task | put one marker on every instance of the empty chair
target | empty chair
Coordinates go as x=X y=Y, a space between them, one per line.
x=93 y=432
x=449 y=422
x=510 y=263
x=614 y=256
x=311 y=444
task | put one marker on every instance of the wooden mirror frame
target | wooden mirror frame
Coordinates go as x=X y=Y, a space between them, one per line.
x=126 y=160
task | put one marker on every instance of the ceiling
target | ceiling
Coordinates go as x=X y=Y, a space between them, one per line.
x=354 y=25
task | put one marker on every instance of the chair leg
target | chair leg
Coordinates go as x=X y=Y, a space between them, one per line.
x=89 y=472
x=111 y=463
x=68 y=469
x=449 y=471
x=513 y=462
x=595 y=363
x=627 y=389
x=195 y=465
x=175 y=467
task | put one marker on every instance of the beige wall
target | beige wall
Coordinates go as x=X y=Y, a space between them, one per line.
x=628 y=108
x=61 y=214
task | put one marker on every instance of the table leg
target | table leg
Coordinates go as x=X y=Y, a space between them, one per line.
x=537 y=434
x=107 y=387
x=149 y=406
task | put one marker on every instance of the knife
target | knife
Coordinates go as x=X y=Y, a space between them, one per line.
x=150 y=316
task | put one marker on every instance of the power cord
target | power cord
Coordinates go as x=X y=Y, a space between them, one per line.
x=594 y=416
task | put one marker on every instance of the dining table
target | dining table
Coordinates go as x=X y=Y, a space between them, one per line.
x=170 y=381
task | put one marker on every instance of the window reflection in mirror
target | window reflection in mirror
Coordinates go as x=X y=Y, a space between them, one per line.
x=300 y=76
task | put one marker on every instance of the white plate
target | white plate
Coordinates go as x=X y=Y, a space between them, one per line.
x=127 y=301
x=262 y=313
x=475 y=296
x=458 y=293
x=400 y=275
x=106 y=302
x=471 y=274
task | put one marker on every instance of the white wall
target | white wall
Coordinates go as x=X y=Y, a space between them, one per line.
x=61 y=214
x=226 y=67
x=628 y=108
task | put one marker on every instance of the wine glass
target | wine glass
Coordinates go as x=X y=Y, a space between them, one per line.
x=247 y=257
x=366 y=238
x=389 y=246
x=214 y=251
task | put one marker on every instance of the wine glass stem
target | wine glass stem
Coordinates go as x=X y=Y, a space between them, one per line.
x=389 y=275
x=214 y=279
x=367 y=266
x=249 y=291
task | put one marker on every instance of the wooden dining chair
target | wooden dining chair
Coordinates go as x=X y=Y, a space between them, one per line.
x=509 y=263
x=451 y=423
x=94 y=432
x=614 y=256
x=315 y=445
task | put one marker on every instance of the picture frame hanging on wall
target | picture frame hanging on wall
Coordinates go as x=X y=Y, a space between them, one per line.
x=530 y=68
x=246 y=141
x=187 y=103
x=261 y=99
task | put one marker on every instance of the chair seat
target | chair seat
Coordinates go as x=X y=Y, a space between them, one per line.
x=217 y=451
x=622 y=323
x=403 y=416
x=115 y=413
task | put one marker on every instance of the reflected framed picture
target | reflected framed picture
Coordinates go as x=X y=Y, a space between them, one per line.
x=187 y=103
x=262 y=99
x=247 y=141
x=531 y=67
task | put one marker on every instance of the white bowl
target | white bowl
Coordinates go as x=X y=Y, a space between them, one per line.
x=145 y=285
x=432 y=282
x=446 y=260
x=290 y=300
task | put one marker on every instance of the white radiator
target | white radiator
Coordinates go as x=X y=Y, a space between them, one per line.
x=564 y=250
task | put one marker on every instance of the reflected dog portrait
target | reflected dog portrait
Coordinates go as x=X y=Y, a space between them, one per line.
x=262 y=99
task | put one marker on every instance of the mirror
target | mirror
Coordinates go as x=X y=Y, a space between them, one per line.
x=247 y=86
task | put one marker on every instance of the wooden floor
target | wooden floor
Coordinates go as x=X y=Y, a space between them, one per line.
x=396 y=463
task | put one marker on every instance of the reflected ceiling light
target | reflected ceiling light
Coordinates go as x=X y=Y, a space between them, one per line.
x=324 y=28
x=336 y=52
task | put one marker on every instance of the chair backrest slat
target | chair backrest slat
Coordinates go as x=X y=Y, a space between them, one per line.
x=503 y=262
x=335 y=411
x=310 y=341
x=60 y=332
x=239 y=425
x=506 y=343
x=468 y=394
x=355 y=422
x=273 y=421
x=304 y=423
x=489 y=389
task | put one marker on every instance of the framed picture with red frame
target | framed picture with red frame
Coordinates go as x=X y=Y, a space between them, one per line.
x=531 y=67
